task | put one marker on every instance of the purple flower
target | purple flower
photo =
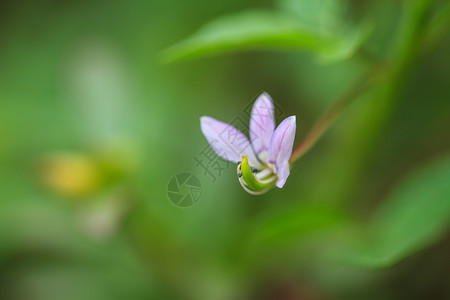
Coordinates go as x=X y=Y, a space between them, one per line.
x=268 y=152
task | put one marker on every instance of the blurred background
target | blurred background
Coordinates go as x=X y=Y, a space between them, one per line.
x=99 y=111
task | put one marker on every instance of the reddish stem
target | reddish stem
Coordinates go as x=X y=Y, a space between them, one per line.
x=336 y=109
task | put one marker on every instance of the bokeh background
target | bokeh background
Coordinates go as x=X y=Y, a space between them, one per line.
x=97 y=116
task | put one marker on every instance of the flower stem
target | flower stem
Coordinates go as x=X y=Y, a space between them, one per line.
x=374 y=75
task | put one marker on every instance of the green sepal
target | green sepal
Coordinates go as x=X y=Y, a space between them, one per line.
x=250 y=178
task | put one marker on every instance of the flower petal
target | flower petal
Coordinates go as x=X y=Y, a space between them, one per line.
x=283 y=174
x=262 y=123
x=280 y=148
x=227 y=141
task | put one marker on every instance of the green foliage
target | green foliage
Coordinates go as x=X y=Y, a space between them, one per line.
x=317 y=15
x=83 y=81
x=294 y=223
x=256 y=29
x=414 y=215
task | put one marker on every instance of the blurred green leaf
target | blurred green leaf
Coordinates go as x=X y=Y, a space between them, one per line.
x=258 y=29
x=295 y=223
x=415 y=215
x=317 y=15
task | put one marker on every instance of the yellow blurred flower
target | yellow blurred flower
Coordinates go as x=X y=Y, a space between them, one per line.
x=71 y=174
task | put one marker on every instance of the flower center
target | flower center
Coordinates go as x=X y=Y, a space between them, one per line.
x=254 y=183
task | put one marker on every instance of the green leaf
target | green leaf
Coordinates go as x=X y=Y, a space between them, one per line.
x=294 y=223
x=415 y=215
x=318 y=15
x=347 y=45
x=262 y=29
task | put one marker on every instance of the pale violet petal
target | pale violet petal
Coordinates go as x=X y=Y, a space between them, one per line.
x=280 y=148
x=262 y=123
x=283 y=174
x=227 y=141
x=282 y=141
